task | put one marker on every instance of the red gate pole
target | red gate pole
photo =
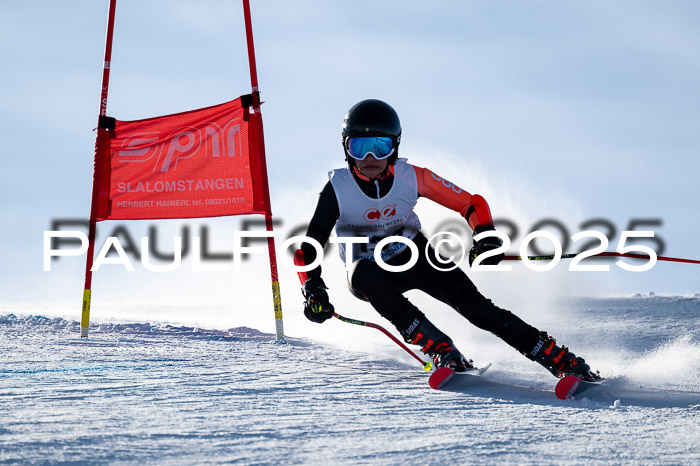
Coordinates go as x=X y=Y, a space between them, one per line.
x=101 y=135
x=256 y=121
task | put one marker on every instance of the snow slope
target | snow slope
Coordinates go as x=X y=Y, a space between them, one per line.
x=167 y=394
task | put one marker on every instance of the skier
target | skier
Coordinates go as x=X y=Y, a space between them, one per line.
x=373 y=197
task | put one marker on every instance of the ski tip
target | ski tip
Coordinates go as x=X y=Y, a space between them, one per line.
x=566 y=387
x=481 y=370
x=440 y=377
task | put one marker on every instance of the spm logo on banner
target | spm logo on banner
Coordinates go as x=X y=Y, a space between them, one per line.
x=181 y=144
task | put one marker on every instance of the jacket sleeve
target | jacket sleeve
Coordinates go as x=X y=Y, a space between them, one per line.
x=322 y=222
x=472 y=207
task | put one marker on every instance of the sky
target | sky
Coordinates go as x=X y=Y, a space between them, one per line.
x=581 y=112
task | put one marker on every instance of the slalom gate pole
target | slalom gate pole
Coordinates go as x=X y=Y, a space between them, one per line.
x=604 y=254
x=300 y=262
x=92 y=228
x=259 y=144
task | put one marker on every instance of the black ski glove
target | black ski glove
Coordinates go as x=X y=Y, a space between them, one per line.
x=317 y=307
x=486 y=244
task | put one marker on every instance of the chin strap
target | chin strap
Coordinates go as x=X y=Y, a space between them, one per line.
x=382 y=176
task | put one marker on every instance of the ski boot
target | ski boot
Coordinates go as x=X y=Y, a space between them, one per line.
x=560 y=361
x=436 y=344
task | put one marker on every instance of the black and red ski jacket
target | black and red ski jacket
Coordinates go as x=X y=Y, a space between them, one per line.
x=472 y=207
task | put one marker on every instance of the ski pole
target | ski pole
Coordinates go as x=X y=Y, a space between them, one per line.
x=538 y=258
x=299 y=262
x=426 y=365
x=604 y=254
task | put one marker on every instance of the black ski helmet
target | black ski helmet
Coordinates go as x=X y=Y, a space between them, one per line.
x=372 y=117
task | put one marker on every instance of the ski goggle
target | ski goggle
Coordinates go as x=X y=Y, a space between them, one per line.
x=380 y=147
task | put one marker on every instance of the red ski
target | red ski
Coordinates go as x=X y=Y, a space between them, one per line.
x=441 y=377
x=570 y=386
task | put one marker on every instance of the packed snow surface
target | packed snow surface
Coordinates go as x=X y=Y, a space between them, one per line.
x=169 y=394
